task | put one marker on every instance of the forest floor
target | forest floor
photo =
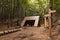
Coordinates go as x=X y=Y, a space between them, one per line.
x=33 y=33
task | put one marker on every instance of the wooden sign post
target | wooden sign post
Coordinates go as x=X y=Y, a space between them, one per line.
x=49 y=15
x=50 y=21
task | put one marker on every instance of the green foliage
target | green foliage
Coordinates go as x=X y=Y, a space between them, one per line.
x=37 y=8
x=18 y=8
x=8 y=9
x=56 y=6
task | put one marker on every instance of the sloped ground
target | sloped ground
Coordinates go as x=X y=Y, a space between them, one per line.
x=34 y=33
x=5 y=27
x=29 y=33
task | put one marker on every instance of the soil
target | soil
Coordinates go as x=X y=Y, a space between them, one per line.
x=34 y=33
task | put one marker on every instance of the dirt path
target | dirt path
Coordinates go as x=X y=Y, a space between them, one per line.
x=31 y=33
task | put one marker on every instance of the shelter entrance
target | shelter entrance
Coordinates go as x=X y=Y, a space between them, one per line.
x=29 y=23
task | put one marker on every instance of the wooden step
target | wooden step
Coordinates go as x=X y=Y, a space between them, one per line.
x=9 y=31
x=1 y=33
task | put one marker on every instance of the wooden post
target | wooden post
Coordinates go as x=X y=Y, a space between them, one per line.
x=44 y=21
x=50 y=21
x=50 y=25
x=49 y=15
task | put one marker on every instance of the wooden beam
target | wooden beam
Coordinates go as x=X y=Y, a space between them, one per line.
x=45 y=20
x=50 y=21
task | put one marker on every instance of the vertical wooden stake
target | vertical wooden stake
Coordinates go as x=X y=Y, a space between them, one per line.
x=50 y=21
x=50 y=26
x=45 y=22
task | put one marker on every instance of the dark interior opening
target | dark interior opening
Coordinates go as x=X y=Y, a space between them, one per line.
x=29 y=23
